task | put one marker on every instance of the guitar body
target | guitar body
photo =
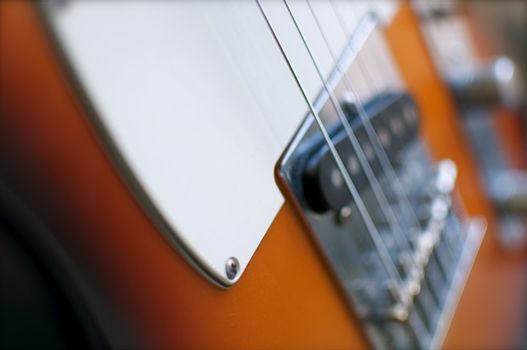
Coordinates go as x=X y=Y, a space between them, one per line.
x=148 y=295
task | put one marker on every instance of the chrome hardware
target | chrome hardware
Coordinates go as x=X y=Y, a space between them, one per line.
x=495 y=84
x=438 y=245
x=344 y=215
x=479 y=86
x=441 y=246
x=232 y=267
x=504 y=185
x=430 y=246
x=508 y=189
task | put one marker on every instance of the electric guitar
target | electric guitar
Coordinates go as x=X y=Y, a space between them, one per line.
x=247 y=175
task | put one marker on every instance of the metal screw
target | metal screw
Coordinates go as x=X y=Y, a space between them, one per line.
x=344 y=215
x=399 y=313
x=232 y=267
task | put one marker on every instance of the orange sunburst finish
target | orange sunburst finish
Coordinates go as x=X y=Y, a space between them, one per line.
x=492 y=308
x=286 y=299
x=53 y=159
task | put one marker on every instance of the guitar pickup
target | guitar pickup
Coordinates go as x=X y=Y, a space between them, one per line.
x=393 y=118
x=430 y=247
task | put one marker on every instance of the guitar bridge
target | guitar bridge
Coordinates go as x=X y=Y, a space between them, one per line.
x=400 y=247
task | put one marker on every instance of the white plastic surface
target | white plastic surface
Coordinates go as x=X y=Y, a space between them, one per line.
x=200 y=104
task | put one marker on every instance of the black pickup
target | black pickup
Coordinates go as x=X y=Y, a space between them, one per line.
x=394 y=118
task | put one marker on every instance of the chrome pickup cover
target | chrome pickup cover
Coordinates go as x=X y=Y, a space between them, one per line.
x=432 y=252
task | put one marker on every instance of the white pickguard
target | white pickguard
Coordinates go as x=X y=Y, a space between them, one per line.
x=200 y=104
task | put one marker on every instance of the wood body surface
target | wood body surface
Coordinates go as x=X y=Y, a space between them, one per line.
x=53 y=160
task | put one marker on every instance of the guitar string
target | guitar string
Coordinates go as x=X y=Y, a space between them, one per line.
x=409 y=219
x=373 y=136
x=374 y=235
x=433 y=32
x=377 y=89
x=404 y=206
x=400 y=240
x=402 y=197
x=402 y=194
x=450 y=252
x=400 y=191
x=410 y=210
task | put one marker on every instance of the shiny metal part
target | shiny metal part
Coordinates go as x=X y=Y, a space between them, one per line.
x=479 y=86
x=442 y=248
x=494 y=84
x=432 y=262
x=344 y=215
x=508 y=189
x=474 y=235
x=504 y=185
x=232 y=267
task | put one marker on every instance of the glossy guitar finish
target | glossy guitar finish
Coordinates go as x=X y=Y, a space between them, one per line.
x=51 y=157
x=55 y=161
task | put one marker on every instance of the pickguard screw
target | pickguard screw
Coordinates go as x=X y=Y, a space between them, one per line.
x=232 y=267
